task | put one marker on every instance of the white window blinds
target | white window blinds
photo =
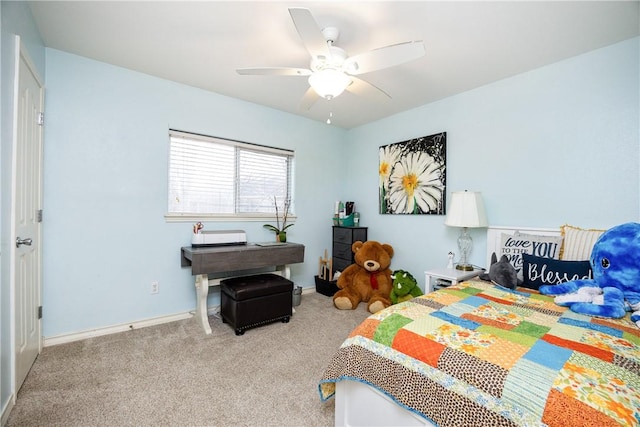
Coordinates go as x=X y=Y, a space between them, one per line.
x=210 y=175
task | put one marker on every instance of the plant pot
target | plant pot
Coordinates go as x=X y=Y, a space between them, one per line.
x=281 y=237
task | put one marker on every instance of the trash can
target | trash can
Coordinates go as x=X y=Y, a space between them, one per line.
x=297 y=295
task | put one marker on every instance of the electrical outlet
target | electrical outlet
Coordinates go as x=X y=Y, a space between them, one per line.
x=155 y=287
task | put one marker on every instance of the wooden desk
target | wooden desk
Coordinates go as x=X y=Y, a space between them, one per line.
x=230 y=259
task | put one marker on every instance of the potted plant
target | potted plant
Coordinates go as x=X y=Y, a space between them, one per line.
x=281 y=232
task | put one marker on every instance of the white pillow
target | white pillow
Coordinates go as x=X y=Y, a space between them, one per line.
x=514 y=245
x=578 y=242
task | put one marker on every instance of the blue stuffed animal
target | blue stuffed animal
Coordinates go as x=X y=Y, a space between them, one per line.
x=615 y=287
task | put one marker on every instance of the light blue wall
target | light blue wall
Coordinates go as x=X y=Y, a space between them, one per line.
x=15 y=18
x=556 y=145
x=106 y=151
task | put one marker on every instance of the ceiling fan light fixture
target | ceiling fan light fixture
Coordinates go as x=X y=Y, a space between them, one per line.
x=329 y=83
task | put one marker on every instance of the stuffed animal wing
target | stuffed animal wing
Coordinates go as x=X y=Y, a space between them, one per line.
x=608 y=304
x=568 y=287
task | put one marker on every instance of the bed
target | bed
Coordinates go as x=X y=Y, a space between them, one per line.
x=477 y=354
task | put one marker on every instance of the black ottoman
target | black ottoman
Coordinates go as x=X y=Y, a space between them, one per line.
x=249 y=301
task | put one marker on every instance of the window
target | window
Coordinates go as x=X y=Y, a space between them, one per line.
x=222 y=178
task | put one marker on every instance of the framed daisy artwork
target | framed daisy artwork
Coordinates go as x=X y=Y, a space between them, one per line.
x=413 y=176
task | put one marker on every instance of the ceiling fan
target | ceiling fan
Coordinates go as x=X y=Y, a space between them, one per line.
x=331 y=70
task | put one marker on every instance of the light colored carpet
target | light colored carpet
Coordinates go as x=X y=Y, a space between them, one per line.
x=173 y=374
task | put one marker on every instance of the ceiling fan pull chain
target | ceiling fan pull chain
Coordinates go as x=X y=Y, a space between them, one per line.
x=329 y=119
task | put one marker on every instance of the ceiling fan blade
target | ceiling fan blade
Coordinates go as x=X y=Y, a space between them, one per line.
x=308 y=99
x=274 y=71
x=363 y=88
x=384 y=57
x=310 y=32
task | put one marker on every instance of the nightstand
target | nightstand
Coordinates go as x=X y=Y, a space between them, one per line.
x=446 y=277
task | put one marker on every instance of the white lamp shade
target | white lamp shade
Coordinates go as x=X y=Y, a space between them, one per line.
x=329 y=83
x=466 y=210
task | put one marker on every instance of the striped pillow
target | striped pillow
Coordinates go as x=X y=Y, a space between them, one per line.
x=578 y=243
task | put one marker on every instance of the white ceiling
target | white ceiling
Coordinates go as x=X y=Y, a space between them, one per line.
x=202 y=43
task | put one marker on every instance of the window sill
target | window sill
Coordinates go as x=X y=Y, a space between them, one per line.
x=191 y=217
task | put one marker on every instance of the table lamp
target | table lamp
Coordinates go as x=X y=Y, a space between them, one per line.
x=466 y=210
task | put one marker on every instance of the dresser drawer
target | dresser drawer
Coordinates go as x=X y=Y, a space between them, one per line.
x=349 y=234
x=339 y=264
x=342 y=250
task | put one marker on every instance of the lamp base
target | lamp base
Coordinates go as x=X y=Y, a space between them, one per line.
x=464 y=267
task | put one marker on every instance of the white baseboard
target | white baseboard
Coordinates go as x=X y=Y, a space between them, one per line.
x=114 y=329
x=6 y=410
x=82 y=335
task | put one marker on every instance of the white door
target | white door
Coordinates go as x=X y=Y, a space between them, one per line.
x=27 y=203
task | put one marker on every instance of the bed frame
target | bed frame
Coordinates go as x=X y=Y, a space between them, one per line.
x=358 y=404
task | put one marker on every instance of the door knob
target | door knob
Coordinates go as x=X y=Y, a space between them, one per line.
x=26 y=241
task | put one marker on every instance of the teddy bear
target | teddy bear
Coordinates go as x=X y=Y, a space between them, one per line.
x=405 y=287
x=615 y=287
x=368 y=279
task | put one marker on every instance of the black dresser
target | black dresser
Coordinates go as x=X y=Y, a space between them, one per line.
x=343 y=238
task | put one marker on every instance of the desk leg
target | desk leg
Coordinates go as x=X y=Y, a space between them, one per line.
x=284 y=270
x=202 y=291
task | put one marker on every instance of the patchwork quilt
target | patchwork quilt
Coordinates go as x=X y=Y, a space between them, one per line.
x=477 y=354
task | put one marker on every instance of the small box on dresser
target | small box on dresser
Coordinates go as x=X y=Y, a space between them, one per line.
x=441 y=283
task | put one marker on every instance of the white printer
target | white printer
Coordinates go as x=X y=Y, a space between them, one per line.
x=219 y=238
